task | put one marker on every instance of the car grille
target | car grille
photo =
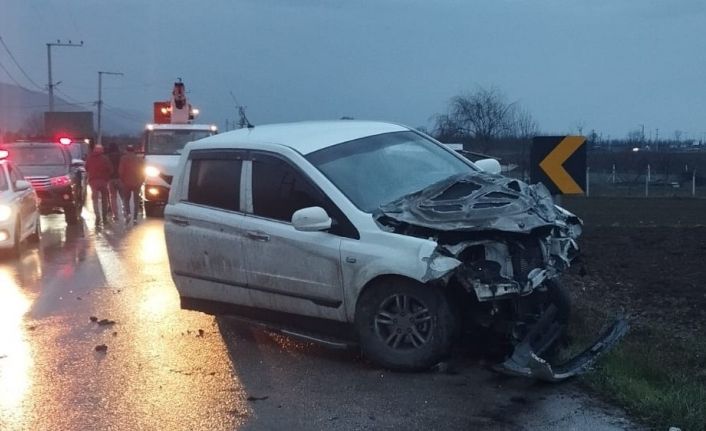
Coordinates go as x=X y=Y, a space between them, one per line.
x=39 y=183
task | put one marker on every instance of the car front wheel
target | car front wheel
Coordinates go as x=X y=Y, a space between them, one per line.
x=404 y=325
x=34 y=238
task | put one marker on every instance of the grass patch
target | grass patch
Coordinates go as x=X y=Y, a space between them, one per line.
x=658 y=379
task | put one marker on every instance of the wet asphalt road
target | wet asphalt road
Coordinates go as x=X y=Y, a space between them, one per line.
x=170 y=369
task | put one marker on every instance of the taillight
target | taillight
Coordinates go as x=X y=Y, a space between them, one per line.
x=61 y=181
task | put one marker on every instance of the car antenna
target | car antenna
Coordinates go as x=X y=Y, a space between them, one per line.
x=243 y=122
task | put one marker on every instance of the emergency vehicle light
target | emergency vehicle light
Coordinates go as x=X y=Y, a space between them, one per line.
x=4 y=154
x=65 y=141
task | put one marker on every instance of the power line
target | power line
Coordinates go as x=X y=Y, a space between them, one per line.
x=44 y=105
x=14 y=60
x=121 y=113
x=10 y=76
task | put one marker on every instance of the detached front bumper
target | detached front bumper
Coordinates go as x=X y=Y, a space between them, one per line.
x=526 y=361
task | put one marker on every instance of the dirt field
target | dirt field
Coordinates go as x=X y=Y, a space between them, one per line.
x=646 y=256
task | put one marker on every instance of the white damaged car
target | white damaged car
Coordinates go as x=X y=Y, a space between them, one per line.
x=372 y=233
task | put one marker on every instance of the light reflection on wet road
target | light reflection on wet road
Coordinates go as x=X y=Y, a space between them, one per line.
x=160 y=373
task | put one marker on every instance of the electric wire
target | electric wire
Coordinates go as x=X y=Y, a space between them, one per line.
x=2 y=66
x=14 y=60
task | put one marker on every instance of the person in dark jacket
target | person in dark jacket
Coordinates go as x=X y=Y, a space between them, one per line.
x=114 y=186
x=131 y=178
x=99 y=171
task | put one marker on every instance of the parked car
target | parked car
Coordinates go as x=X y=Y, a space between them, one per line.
x=58 y=179
x=19 y=214
x=373 y=233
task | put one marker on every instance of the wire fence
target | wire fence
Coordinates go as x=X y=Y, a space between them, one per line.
x=647 y=183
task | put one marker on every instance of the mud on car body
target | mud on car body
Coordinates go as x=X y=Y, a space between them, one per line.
x=376 y=230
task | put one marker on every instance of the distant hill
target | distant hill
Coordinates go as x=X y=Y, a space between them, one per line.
x=22 y=110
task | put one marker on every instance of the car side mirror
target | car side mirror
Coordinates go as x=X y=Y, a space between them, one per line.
x=21 y=185
x=490 y=166
x=77 y=163
x=311 y=219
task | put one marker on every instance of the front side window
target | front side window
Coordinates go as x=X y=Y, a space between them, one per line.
x=3 y=180
x=215 y=182
x=278 y=189
x=15 y=174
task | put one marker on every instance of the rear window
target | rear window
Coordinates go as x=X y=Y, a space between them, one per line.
x=215 y=183
x=38 y=156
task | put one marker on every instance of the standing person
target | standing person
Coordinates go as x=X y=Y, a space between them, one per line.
x=131 y=177
x=114 y=185
x=99 y=171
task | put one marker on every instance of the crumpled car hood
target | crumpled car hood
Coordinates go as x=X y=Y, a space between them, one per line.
x=478 y=202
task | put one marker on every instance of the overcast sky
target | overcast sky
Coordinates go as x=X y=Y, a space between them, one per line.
x=609 y=65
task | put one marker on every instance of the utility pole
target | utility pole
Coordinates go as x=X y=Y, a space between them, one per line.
x=99 y=139
x=51 y=84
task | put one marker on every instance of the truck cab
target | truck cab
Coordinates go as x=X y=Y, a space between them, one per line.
x=162 y=146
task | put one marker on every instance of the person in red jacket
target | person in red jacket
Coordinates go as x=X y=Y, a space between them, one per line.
x=99 y=170
x=131 y=176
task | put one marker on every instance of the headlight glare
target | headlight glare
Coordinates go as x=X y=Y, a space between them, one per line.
x=151 y=171
x=5 y=212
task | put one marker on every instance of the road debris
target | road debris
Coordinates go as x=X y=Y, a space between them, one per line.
x=101 y=348
x=93 y=318
x=252 y=398
x=106 y=322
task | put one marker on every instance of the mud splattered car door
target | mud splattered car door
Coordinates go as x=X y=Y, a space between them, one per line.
x=297 y=272
x=204 y=232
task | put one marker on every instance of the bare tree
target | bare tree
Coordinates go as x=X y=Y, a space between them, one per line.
x=525 y=127
x=483 y=115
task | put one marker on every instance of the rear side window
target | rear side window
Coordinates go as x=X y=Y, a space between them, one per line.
x=215 y=182
x=278 y=190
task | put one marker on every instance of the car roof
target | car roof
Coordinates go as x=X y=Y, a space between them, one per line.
x=189 y=126
x=303 y=137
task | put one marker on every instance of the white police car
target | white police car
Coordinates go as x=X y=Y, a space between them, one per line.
x=19 y=214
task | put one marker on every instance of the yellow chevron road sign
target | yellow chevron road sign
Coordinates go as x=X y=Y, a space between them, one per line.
x=559 y=162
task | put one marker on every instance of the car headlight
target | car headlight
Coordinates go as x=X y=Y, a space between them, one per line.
x=5 y=212
x=151 y=171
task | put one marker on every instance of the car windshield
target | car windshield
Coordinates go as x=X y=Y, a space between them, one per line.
x=376 y=170
x=38 y=156
x=170 y=142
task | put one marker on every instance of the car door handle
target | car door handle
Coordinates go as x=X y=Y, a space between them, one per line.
x=258 y=236
x=180 y=221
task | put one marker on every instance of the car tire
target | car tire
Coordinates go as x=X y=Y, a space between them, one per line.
x=404 y=325
x=36 y=235
x=558 y=295
x=152 y=210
